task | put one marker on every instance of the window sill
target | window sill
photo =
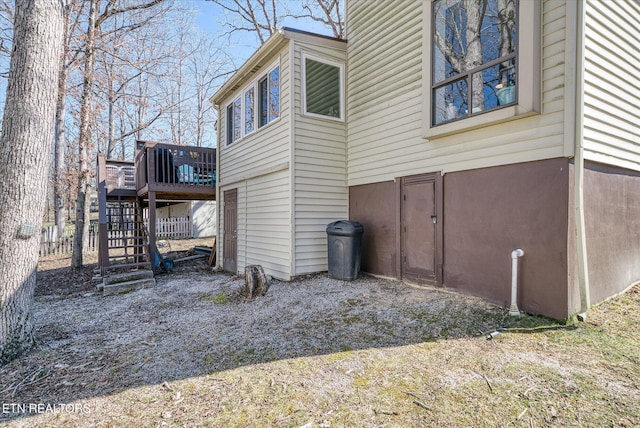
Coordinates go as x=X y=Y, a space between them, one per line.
x=502 y=115
x=322 y=117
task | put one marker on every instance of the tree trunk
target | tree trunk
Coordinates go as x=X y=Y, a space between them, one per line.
x=255 y=281
x=473 y=58
x=24 y=149
x=84 y=138
x=60 y=142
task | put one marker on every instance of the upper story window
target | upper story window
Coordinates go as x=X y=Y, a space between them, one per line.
x=249 y=110
x=234 y=121
x=245 y=114
x=475 y=66
x=269 y=90
x=230 y=138
x=323 y=88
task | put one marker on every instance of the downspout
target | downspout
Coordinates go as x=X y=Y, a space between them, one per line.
x=581 y=245
x=513 y=309
x=218 y=265
x=292 y=159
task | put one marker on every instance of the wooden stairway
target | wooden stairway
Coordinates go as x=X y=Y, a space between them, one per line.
x=126 y=238
x=126 y=282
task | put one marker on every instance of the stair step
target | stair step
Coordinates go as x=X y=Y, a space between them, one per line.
x=131 y=260
x=128 y=276
x=126 y=246
x=128 y=286
x=134 y=254
x=140 y=265
x=120 y=238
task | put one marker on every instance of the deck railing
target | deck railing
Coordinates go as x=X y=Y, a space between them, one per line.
x=120 y=176
x=163 y=166
x=117 y=177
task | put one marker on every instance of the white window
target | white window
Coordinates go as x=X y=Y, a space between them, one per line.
x=249 y=110
x=246 y=113
x=474 y=63
x=484 y=63
x=234 y=121
x=323 y=88
x=269 y=90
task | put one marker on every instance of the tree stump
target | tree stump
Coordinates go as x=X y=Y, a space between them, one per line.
x=255 y=280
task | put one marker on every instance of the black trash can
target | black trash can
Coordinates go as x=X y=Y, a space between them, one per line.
x=344 y=239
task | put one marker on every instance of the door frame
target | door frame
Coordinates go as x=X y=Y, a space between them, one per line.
x=437 y=179
x=225 y=198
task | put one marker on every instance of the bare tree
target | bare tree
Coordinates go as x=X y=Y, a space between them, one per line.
x=191 y=75
x=206 y=66
x=96 y=18
x=69 y=60
x=254 y=16
x=328 y=12
x=132 y=49
x=144 y=104
x=82 y=203
x=24 y=148
x=262 y=17
x=6 y=31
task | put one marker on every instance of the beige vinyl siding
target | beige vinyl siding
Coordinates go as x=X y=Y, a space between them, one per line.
x=385 y=100
x=267 y=224
x=263 y=224
x=258 y=166
x=265 y=148
x=612 y=83
x=319 y=167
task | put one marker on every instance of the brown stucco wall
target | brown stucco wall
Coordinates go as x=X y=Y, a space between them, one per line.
x=487 y=214
x=492 y=211
x=375 y=206
x=612 y=219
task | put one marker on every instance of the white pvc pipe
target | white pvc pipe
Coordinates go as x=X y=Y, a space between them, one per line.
x=513 y=310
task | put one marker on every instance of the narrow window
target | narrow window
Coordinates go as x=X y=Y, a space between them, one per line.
x=323 y=89
x=237 y=119
x=274 y=94
x=269 y=97
x=229 y=124
x=249 y=111
x=263 y=87
x=474 y=57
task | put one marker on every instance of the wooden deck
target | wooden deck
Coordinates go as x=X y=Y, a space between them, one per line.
x=175 y=172
x=159 y=172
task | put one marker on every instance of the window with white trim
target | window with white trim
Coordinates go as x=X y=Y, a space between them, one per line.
x=234 y=121
x=323 y=88
x=249 y=110
x=269 y=90
x=474 y=51
x=257 y=106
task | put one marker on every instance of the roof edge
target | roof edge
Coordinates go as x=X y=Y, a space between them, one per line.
x=249 y=65
x=291 y=32
x=275 y=41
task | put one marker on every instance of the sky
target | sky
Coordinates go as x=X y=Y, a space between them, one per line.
x=210 y=19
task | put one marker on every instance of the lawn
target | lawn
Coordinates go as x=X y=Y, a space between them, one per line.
x=317 y=352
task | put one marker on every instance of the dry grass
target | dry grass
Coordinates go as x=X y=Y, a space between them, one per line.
x=321 y=353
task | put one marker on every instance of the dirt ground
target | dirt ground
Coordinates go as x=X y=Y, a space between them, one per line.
x=314 y=352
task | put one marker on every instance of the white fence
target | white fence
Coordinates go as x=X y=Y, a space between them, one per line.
x=51 y=245
x=166 y=228
x=173 y=228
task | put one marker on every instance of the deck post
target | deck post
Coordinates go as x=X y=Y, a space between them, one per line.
x=152 y=227
x=103 y=244
x=139 y=219
x=151 y=167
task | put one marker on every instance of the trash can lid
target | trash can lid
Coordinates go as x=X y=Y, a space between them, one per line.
x=345 y=228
